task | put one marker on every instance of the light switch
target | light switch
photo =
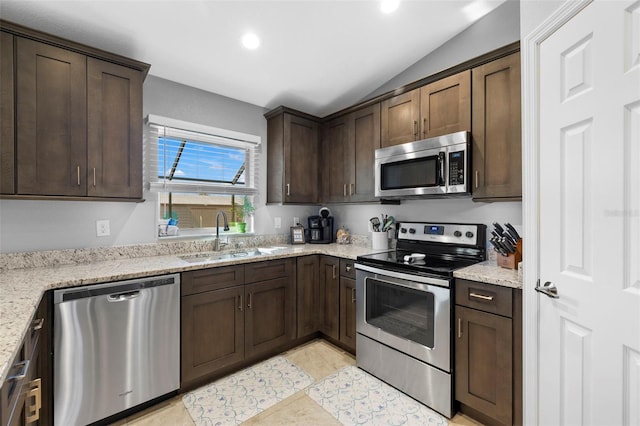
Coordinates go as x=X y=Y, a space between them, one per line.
x=277 y=222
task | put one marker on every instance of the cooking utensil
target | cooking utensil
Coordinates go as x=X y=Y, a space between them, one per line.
x=513 y=231
x=389 y=223
x=375 y=223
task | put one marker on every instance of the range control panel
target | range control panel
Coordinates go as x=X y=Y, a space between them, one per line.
x=445 y=233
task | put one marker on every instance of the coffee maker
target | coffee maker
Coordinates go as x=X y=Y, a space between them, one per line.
x=321 y=227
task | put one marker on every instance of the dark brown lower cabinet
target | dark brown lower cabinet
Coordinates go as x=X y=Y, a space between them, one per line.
x=212 y=331
x=229 y=316
x=329 y=296
x=308 y=295
x=348 y=312
x=270 y=314
x=488 y=362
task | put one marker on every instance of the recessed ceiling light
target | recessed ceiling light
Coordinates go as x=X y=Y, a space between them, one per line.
x=250 y=41
x=388 y=6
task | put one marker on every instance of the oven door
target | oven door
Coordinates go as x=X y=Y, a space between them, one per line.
x=411 y=174
x=409 y=313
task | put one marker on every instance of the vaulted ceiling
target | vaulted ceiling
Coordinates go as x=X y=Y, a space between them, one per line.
x=316 y=56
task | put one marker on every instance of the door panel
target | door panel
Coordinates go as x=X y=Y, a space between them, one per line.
x=589 y=226
x=366 y=139
x=400 y=116
x=7 y=115
x=329 y=296
x=308 y=295
x=301 y=165
x=115 y=130
x=348 y=312
x=51 y=120
x=336 y=156
x=445 y=105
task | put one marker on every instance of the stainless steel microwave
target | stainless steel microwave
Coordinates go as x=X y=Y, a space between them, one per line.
x=428 y=168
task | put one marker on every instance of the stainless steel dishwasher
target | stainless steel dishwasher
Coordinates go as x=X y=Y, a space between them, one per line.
x=116 y=345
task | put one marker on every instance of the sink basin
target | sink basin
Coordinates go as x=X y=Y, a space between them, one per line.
x=213 y=256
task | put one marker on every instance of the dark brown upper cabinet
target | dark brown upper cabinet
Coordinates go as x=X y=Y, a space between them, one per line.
x=400 y=119
x=348 y=151
x=445 y=105
x=292 y=157
x=78 y=119
x=436 y=109
x=496 y=130
x=7 y=115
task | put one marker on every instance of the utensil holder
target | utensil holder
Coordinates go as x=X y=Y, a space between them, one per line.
x=380 y=240
x=511 y=261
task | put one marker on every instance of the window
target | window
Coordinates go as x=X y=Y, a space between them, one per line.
x=199 y=170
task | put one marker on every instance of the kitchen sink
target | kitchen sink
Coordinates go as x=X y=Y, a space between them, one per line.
x=213 y=256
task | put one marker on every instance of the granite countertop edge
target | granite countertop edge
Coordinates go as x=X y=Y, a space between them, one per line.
x=22 y=289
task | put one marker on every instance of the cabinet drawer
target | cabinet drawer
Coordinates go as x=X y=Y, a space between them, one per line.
x=202 y=280
x=347 y=268
x=484 y=297
x=262 y=271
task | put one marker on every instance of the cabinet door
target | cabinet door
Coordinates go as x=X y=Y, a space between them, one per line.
x=484 y=362
x=445 y=105
x=212 y=331
x=365 y=139
x=301 y=159
x=400 y=116
x=348 y=312
x=114 y=123
x=497 y=162
x=7 y=115
x=329 y=295
x=335 y=160
x=308 y=295
x=51 y=120
x=270 y=314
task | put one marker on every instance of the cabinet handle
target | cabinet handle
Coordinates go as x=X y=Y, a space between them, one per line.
x=348 y=267
x=353 y=295
x=344 y=190
x=480 y=296
x=424 y=127
x=352 y=188
x=24 y=369
x=78 y=169
x=476 y=179
x=459 y=328
x=37 y=324
x=249 y=301
x=334 y=271
x=415 y=129
x=240 y=303
x=288 y=190
x=33 y=410
x=94 y=177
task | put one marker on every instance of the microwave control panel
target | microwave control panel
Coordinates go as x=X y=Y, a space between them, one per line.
x=456 y=168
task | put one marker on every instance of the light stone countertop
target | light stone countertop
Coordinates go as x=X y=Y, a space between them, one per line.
x=21 y=289
x=490 y=273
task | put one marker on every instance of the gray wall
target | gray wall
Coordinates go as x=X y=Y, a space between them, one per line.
x=496 y=29
x=46 y=225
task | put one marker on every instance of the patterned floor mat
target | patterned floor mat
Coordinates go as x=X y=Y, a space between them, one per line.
x=236 y=398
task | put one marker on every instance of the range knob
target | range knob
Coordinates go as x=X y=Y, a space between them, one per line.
x=469 y=234
x=457 y=234
x=403 y=230
x=412 y=231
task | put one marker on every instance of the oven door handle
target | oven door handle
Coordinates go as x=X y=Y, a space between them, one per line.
x=407 y=277
x=441 y=161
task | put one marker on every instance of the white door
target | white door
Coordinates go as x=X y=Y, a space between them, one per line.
x=589 y=338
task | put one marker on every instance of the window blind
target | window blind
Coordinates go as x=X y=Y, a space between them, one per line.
x=193 y=158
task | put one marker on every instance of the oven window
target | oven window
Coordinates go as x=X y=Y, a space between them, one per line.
x=415 y=173
x=401 y=311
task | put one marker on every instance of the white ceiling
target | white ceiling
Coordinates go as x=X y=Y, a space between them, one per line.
x=315 y=56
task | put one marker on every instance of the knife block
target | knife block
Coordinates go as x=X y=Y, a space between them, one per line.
x=511 y=261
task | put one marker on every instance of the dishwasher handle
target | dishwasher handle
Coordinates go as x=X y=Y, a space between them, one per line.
x=119 y=297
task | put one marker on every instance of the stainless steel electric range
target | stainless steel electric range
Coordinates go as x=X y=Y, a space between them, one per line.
x=404 y=308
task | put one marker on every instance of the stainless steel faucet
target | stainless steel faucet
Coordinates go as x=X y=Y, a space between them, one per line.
x=216 y=242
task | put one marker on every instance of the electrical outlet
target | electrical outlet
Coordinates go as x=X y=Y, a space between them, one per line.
x=296 y=220
x=102 y=228
x=277 y=222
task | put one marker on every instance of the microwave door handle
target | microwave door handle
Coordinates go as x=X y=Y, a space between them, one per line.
x=441 y=159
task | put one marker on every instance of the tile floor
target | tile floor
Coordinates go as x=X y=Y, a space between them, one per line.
x=318 y=359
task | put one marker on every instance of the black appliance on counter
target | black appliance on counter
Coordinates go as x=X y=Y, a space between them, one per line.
x=321 y=227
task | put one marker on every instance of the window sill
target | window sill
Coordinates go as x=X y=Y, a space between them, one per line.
x=186 y=235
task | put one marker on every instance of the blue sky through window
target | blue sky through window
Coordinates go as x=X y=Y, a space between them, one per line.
x=200 y=161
